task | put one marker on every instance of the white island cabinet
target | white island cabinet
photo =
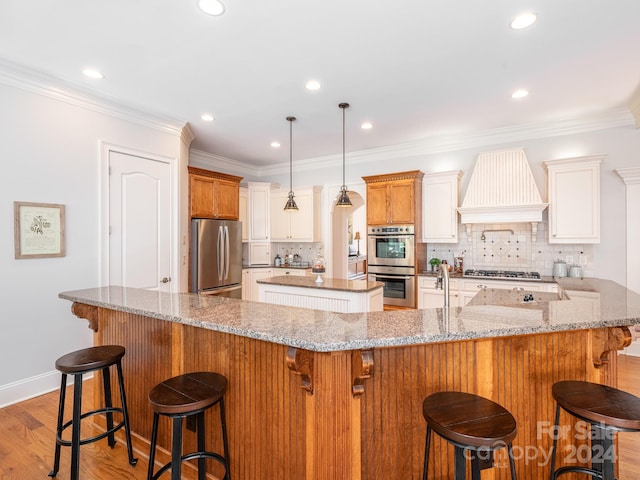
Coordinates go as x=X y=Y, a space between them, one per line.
x=333 y=294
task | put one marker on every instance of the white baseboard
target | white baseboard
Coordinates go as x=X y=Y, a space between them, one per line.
x=32 y=387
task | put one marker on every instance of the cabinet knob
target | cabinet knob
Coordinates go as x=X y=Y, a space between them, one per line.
x=165 y=280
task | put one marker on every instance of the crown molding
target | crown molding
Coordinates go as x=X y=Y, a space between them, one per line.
x=40 y=83
x=630 y=176
x=434 y=145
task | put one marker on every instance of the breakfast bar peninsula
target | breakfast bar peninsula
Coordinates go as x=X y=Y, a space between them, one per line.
x=318 y=395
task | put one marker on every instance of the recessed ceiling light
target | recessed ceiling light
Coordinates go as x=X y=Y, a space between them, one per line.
x=211 y=7
x=366 y=126
x=207 y=117
x=92 y=73
x=275 y=144
x=313 y=85
x=523 y=20
x=520 y=93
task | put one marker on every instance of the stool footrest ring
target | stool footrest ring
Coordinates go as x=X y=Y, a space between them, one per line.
x=95 y=438
x=190 y=456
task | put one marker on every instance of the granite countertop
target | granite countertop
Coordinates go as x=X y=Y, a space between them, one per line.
x=592 y=303
x=340 y=284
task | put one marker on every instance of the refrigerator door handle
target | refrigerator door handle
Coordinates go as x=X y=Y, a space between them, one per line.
x=220 y=258
x=226 y=252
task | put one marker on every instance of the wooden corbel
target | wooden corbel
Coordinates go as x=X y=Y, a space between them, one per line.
x=607 y=340
x=301 y=362
x=89 y=312
x=361 y=369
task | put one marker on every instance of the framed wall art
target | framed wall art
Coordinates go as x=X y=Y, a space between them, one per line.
x=38 y=230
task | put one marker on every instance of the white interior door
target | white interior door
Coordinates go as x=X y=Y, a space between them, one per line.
x=139 y=240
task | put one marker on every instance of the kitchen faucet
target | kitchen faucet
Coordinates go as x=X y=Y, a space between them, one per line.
x=442 y=282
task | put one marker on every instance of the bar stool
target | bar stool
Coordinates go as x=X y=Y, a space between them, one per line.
x=470 y=423
x=184 y=396
x=607 y=410
x=77 y=364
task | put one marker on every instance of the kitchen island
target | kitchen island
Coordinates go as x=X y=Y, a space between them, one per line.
x=332 y=294
x=321 y=395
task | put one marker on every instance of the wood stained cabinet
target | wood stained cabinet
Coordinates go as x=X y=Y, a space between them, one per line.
x=395 y=199
x=214 y=194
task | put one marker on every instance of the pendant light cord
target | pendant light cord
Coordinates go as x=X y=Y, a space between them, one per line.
x=290 y=154
x=343 y=148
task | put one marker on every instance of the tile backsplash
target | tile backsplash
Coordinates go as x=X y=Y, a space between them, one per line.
x=510 y=247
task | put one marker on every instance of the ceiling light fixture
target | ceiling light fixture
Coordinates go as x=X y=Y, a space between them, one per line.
x=207 y=117
x=92 y=73
x=343 y=198
x=291 y=203
x=523 y=20
x=275 y=144
x=313 y=85
x=367 y=126
x=519 y=94
x=211 y=7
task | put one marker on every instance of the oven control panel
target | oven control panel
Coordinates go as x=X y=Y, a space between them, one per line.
x=392 y=230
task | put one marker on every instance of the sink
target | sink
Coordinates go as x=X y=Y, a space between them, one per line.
x=514 y=297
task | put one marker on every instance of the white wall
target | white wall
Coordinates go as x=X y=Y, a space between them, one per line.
x=50 y=154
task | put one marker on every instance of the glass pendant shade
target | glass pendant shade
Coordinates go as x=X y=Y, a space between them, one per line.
x=291 y=203
x=343 y=198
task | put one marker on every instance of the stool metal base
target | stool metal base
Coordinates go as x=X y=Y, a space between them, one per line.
x=78 y=416
x=176 y=446
x=602 y=451
x=477 y=456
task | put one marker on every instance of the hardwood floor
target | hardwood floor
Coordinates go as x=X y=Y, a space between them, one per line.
x=27 y=430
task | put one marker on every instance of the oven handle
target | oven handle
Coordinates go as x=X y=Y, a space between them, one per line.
x=392 y=236
x=393 y=277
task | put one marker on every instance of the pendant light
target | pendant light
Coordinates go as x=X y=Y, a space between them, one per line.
x=343 y=198
x=291 y=203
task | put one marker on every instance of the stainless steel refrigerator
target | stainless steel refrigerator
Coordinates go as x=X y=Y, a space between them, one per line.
x=216 y=257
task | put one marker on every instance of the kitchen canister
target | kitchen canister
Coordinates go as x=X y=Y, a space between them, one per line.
x=560 y=269
x=575 y=271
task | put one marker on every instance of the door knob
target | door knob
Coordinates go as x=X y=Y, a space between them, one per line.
x=165 y=280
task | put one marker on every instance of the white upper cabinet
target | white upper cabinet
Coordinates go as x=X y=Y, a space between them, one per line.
x=574 y=199
x=302 y=225
x=259 y=224
x=243 y=214
x=440 y=194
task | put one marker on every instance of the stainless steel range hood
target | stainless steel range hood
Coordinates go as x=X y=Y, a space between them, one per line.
x=502 y=190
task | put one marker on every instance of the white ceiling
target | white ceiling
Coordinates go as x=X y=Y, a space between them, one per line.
x=416 y=69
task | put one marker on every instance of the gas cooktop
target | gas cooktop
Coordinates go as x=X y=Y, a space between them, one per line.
x=503 y=274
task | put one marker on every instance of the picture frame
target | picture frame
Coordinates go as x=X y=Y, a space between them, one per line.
x=39 y=230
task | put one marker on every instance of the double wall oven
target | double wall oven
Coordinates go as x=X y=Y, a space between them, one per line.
x=391 y=254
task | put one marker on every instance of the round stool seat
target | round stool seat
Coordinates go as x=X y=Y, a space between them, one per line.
x=188 y=393
x=88 y=359
x=469 y=420
x=598 y=403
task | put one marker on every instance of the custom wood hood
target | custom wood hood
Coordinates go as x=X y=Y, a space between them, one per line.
x=502 y=190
